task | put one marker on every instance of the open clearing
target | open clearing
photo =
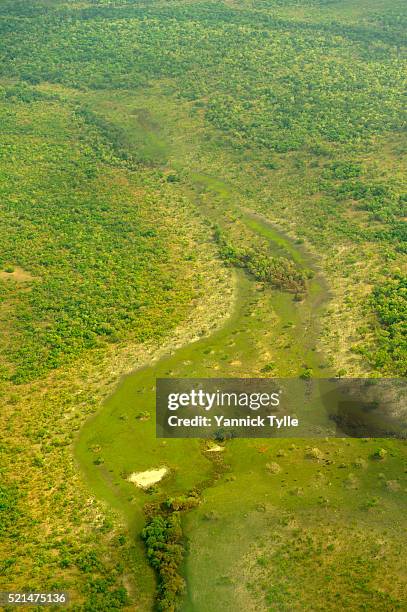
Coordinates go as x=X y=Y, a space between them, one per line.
x=146 y=479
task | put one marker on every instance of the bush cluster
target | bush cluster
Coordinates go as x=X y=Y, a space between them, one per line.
x=165 y=551
x=279 y=272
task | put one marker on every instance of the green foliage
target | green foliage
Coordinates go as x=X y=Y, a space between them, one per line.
x=70 y=219
x=311 y=98
x=112 y=135
x=163 y=539
x=101 y=596
x=88 y=562
x=380 y=454
x=390 y=303
x=279 y=272
x=115 y=599
x=319 y=88
x=287 y=83
x=344 y=170
x=183 y=502
x=10 y=512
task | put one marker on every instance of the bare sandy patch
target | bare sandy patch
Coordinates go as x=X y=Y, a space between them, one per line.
x=17 y=274
x=215 y=448
x=146 y=479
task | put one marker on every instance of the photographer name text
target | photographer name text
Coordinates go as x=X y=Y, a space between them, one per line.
x=270 y=420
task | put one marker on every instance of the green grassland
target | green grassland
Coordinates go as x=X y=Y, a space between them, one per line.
x=88 y=247
x=195 y=189
x=312 y=535
x=346 y=216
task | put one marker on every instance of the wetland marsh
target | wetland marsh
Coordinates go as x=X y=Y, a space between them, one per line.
x=198 y=188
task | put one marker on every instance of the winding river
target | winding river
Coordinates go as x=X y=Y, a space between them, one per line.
x=268 y=329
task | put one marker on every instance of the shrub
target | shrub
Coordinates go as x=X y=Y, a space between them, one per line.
x=165 y=551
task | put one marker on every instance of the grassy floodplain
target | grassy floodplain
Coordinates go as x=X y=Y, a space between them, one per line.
x=148 y=151
x=120 y=439
x=258 y=521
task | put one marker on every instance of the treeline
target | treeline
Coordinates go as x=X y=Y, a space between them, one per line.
x=279 y=272
x=390 y=304
x=21 y=92
x=95 y=266
x=315 y=87
x=113 y=135
x=163 y=538
x=383 y=200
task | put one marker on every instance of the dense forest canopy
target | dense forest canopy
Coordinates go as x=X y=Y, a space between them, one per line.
x=291 y=80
